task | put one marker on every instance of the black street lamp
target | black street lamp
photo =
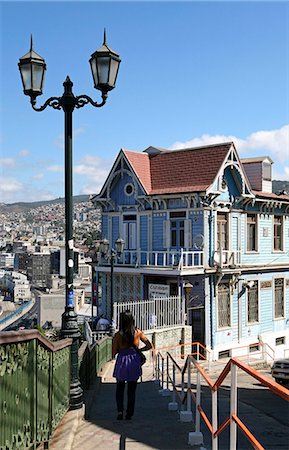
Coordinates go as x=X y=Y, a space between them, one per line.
x=112 y=255
x=104 y=65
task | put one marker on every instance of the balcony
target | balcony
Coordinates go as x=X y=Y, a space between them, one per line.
x=227 y=258
x=160 y=259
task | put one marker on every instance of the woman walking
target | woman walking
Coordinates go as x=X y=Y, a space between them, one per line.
x=128 y=363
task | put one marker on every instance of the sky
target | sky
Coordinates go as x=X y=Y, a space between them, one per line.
x=192 y=73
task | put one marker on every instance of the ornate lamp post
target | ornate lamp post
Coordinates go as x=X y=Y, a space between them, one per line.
x=112 y=255
x=104 y=64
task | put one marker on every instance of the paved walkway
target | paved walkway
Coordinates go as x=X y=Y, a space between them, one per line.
x=152 y=427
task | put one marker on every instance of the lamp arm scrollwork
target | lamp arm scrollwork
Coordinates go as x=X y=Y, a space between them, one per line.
x=82 y=100
x=54 y=102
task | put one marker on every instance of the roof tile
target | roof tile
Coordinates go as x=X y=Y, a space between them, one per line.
x=175 y=171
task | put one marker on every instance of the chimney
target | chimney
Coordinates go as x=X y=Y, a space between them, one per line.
x=259 y=173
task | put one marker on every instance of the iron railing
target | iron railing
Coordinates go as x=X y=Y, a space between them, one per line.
x=92 y=359
x=34 y=387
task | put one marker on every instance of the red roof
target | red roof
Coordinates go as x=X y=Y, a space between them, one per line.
x=176 y=171
x=271 y=195
x=141 y=165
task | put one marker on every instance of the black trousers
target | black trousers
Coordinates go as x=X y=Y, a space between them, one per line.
x=131 y=388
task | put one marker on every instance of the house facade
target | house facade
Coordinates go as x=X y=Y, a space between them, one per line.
x=205 y=219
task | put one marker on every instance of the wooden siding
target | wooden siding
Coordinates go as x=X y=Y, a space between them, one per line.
x=197 y=219
x=235 y=235
x=157 y=230
x=118 y=191
x=144 y=233
x=265 y=254
x=115 y=230
x=104 y=226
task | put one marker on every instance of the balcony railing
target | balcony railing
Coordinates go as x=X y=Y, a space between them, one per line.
x=161 y=259
x=227 y=258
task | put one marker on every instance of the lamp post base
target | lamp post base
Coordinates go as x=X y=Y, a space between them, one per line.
x=70 y=329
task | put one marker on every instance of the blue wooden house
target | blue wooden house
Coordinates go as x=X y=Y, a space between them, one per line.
x=203 y=224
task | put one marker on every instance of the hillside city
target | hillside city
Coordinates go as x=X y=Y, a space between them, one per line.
x=32 y=261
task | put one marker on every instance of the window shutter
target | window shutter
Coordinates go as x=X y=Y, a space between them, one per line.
x=166 y=233
x=188 y=233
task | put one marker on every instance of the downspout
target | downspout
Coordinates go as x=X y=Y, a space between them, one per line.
x=210 y=219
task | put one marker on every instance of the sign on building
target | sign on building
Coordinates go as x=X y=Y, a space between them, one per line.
x=159 y=290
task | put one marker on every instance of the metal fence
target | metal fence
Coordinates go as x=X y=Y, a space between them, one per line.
x=34 y=387
x=159 y=312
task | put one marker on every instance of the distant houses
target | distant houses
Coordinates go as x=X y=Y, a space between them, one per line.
x=204 y=225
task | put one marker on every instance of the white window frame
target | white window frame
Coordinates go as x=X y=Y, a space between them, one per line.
x=228 y=231
x=227 y=327
x=282 y=234
x=130 y=231
x=133 y=189
x=252 y=252
x=247 y=304
x=284 y=298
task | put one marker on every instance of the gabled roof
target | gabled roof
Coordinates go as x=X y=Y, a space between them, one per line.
x=140 y=163
x=176 y=171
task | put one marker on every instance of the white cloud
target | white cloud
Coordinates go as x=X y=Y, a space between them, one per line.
x=55 y=168
x=38 y=176
x=95 y=170
x=24 y=152
x=277 y=175
x=9 y=185
x=7 y=162
x=59 y=141
x=12 y=190
x=274 y=143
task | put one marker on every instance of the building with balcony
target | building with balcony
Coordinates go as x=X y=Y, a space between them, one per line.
x=203 y=224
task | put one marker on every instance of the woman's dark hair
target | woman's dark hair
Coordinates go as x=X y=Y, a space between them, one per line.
x=126 y=326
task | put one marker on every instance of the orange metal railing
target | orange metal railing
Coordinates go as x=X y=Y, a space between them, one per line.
x=167 y=364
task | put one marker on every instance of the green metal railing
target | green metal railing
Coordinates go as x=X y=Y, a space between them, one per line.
x=34 y=387
x=92 y=359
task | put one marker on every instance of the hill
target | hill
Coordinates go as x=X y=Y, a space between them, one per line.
x=25 y=206
x=277 y=186
x=280 y=185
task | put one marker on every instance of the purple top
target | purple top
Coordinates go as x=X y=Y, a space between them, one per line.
x=128 y=365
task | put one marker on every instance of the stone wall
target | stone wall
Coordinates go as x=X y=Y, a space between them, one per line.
x=171 y=337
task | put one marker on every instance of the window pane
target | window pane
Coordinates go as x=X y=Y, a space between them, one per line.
x=174 y=238
x=224 y=310
x=279 y=297
x=278 y=231
x=251 y=232
x=267 y=171
x=222 y=232
x=253 y=301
